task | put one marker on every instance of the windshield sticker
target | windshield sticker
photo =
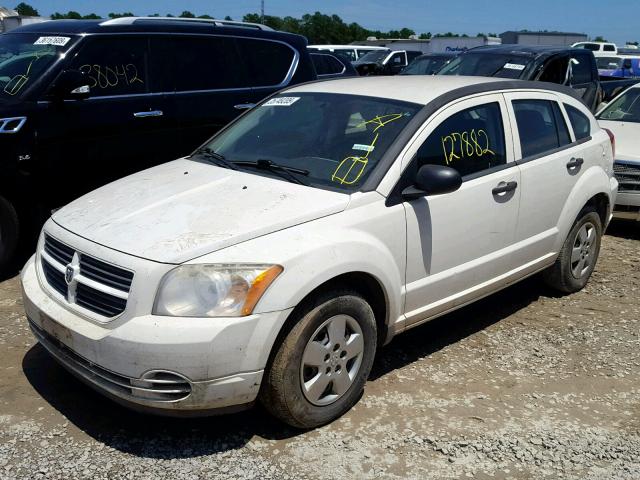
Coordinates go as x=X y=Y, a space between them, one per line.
x=281 y=102
x=351 y=168
x=364 y=148
x=56 y=41
x=513 y=66
x=474 y=143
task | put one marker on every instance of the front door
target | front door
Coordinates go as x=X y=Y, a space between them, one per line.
x=459 y=245
x=122 y=128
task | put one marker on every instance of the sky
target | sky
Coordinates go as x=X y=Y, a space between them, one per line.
x=616 y=20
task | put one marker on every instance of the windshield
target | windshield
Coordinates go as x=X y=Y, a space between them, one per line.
x=373 y=56
x=425 y=66
x=336 y=139
x=608 y=63
x=624 y=108
x=24 y=57
x=487 y=65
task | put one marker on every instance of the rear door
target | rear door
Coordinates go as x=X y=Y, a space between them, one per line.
x=551 y=161
x=209 y=82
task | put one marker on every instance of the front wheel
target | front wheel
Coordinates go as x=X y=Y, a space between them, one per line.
x=579 y=254
x=321 y=367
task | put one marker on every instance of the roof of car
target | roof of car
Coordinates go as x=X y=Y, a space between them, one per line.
x=524 y=50
x=150 y=25
x=420 y=89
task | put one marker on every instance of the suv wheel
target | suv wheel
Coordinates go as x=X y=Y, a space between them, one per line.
x=321 y=367
x=579 y=254
x=9 y=229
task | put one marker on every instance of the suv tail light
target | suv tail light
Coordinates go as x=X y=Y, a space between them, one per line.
x=612 y=137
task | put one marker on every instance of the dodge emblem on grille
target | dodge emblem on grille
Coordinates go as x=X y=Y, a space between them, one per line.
x=69 y=274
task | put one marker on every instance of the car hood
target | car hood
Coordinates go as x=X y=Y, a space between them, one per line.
x=627 y=138
x=184 y=209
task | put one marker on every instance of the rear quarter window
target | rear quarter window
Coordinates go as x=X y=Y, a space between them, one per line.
x=579 y=122
x=268 y=62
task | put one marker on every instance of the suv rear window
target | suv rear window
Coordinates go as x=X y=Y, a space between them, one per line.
x=579 y=121
x=268 y=62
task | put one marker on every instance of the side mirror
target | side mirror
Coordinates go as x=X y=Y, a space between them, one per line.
x=626 y=65
x=433 y=180
x=71 y=85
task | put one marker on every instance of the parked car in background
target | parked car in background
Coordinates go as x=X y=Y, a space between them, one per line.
x=565 y=66
x=274 y=262
x=620 y=66
x=622 y=117
x=598 y=48
x=385 y=62
x=332 y=66
x=428 y=64
x=83 y=103
x=350 y=52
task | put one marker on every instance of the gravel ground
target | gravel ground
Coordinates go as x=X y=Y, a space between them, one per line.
x=522 y=385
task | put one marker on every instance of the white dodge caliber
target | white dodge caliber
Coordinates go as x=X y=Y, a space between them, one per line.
x=274 y=262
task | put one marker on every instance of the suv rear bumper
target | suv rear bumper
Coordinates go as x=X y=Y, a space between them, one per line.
x=627 y=206
x=157 y=364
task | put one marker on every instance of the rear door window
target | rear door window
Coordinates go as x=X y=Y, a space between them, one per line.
x=268 y=62
x=114 y=65
x=579 y=121
x=537 y=126
x=185 y=64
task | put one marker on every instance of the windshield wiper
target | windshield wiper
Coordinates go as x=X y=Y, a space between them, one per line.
x=282 y=170
x=216 y=158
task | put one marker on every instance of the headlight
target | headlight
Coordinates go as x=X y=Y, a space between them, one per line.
x=213 y=290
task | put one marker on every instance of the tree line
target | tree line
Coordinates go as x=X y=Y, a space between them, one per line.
x=319 y=28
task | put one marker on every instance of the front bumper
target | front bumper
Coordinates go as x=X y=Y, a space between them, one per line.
x=164 y=365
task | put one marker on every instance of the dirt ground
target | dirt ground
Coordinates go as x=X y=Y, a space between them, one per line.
x=522 y=385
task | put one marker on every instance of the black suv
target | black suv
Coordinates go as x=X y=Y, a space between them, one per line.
x=85 y=102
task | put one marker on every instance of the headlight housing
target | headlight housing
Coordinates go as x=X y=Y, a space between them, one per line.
x=213 y=290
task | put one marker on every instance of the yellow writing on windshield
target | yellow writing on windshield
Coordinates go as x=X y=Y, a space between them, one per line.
x=473 y=143
x=351 y=168
x=16 y=83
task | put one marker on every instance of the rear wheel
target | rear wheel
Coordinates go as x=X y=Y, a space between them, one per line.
x=579 y=254
x=321 y=367
x=9 y=231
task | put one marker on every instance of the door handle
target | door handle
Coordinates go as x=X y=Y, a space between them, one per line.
x=504 y=187
x=244 y=106
x=152 y=113
x=574 y=163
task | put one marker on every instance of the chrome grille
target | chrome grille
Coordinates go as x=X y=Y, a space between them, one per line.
x=97 y=286
x=159 y=386
x=628 y=176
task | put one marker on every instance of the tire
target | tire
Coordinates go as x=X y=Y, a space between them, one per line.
x=9 y=232
x=316 y=374
x=579 y=254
